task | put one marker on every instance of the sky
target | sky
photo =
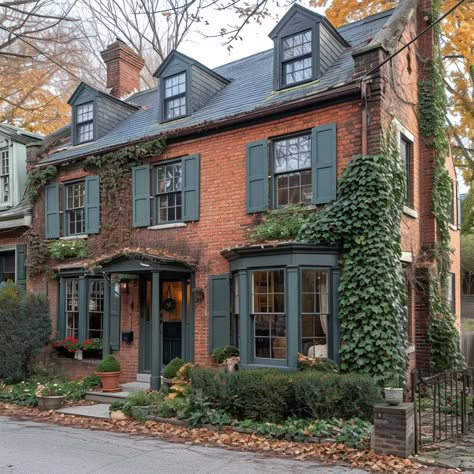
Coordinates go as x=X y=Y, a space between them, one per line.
x=212 y=53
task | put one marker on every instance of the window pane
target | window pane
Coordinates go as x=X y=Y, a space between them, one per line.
x=405 y=155
x=168 y=199
x=85 y=112
x=314 y=309
x=72 y=308
x=297 y=71
x=85 y=132
x=175 y=107
x=175 y=85
x=75 y=211
x=297 y=45
x=268 y=291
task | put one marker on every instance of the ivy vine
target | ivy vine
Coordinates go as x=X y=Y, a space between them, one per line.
x=37 y=178
x=442 y=334
x=365 y=222
x=37 y=255
x=115 y=179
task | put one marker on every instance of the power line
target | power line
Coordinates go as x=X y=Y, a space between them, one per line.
x=385 y=61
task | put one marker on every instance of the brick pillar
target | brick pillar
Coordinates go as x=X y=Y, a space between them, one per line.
x=394 y=430
x=422 y=318
x=123 y=68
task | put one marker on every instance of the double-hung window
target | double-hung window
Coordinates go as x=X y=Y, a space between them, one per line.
x=175 y=96
x=406 y=158
x=292 y=170
x=72 y=308
x=75 y=208
x=85 y=122
x=4 y=176
x=297 y=58
x=96 y=309
x=314 y=312
x=268 y=312
x=450 y=292
x=168 y=198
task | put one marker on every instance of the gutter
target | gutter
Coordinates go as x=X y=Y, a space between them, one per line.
x=195 y=130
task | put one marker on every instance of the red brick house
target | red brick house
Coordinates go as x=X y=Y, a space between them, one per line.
x=171 y=272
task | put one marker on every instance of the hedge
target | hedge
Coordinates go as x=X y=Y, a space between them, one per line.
x=273 y=395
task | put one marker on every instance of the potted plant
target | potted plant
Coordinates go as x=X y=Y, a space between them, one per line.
x=66 y=347
x=170 y=371
x=92 y=348
x=109 y=372
x=50 y=396
x=393 y=391
x=142 y=404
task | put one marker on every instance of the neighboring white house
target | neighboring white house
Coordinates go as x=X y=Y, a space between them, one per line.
x=15 y=210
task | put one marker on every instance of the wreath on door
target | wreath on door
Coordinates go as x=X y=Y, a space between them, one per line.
x=169 y=304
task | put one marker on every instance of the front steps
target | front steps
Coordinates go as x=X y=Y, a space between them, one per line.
x=109 y=397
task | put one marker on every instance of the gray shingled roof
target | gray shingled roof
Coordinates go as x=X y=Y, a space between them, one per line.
x=250 y=89
x=18 y=134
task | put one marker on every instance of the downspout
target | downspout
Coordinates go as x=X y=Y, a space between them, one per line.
x=363 y=100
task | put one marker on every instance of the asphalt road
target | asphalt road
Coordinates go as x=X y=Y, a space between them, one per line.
x=28 y=447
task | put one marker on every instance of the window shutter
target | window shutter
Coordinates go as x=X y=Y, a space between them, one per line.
x=191 y=188
x=20 y=266
x=141 y=195
x=92 y=204
x=219 y=311
x=114 y=313
x=257 y=176
x=51 y=199
x=323 y=163
x=458 y=207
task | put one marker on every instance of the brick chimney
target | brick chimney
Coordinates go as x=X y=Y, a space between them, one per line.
x=123 y=68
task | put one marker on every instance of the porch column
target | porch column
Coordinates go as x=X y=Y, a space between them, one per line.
x=336 y=325
x=83 y=309
x=292 y=319
x=244 y=319
x=155 y=381
x=61 y=316
x=106 y=321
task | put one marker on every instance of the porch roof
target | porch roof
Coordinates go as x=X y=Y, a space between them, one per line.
x=131 y=261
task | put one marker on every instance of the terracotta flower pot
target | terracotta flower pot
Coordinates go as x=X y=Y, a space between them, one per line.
x=50 y=402
x=110 y=381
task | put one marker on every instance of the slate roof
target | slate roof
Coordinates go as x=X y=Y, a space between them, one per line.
x=250 y=89
x=18 y=134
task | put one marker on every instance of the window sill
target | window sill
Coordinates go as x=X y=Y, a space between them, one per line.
x=75 y=237
x=173 y=225
x=284 y=210
x=408 y=211
x=411 y=349
x=452 y=226
x=269 y=366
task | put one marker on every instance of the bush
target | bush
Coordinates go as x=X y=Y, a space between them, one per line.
x=335 y=395
x=271 y=395
x=320 y=364
x=25 y=326
x=109 y=364
x=170 y=371
x=221 y=354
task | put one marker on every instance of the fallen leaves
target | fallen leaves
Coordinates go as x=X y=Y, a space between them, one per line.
x=225 y=438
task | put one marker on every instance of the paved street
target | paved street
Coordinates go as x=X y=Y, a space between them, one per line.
x=27 y=447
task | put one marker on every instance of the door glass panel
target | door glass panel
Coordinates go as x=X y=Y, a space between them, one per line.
x=172 y=301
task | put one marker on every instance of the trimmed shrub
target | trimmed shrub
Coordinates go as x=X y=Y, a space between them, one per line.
x=170 y=371
x=273 y=395
x=221 y=354
x=25 y=327
x=321 y=364
x=109 y=364
x=322 y=395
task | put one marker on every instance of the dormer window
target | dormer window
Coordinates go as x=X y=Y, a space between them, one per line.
x=85 y=122
x=297 y=58
x=4 y=176
x=175 y=96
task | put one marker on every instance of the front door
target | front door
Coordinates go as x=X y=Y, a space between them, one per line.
x=173 y=307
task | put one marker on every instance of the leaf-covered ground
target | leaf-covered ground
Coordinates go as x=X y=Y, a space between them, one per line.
x=326 y=452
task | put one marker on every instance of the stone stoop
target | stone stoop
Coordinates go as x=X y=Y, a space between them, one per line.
x=109 y=397
x=100 y=410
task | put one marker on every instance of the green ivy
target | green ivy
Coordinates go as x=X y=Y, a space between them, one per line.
x=280 y=225
x=365 y=222
x=37 y=255
x=37 y=178
x=442 y=334
x=61 y=249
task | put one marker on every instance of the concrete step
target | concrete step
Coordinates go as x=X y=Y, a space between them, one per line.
x=135 y=386
x=101 y=410
x=107 y=397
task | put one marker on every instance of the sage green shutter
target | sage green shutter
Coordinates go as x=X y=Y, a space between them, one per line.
x=20 y=266
x=323 y=163
x=51 y=200
x=219 y=311
x=141 y=195
x=114 y=313
x=191 y=188
x=92 y=204
x=257 y=176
